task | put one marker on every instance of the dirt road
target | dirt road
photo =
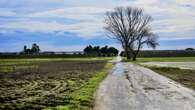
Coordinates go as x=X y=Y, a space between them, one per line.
x=131 y=87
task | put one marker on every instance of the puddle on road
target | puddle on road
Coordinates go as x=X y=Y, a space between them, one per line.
x=118 y=69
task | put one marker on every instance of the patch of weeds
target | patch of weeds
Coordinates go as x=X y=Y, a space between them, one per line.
x=166 y=59
x=82 y=99
x=15 y=68
x=183 y=76
x=6 y=69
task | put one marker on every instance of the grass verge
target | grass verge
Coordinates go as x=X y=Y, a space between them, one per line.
x=83 y=98
x=183 y=76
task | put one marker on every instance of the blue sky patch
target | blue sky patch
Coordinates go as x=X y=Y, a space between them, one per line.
x=63 y=25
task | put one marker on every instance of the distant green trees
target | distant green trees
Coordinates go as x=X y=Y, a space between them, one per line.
x=34 y=49
x=100 y=51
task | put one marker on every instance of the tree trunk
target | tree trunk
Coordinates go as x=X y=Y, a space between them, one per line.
x=134 y=57
x=136 y=52
x=127 y=54
x=128 y=57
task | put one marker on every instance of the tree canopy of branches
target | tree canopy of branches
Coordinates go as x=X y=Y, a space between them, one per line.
x=131 y=27
x=34 y=49
x=98 y=51
x=189 y=49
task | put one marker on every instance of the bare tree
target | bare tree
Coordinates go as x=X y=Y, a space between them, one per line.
x=145 y=37
x=130 y=26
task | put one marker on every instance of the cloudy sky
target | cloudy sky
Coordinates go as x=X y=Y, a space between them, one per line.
x=66 y=25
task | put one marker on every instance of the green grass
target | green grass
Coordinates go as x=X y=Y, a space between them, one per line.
x=183 y=76
x=8 y=69
x=164 y=59
x=83 y=98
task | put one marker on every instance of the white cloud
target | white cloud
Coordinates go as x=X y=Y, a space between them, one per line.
x=174 y=25
x=88 y=14
x=84 y=29
x=173 y=47
x=6 y=13
x=169 y=16
x=72 y=13
x=33 y=26
x=29 y=3
x=186 y=2
x=91 y=21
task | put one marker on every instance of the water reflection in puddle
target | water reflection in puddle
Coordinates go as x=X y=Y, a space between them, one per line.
x=118 y=69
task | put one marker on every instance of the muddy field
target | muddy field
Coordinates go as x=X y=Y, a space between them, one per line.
x=37 y=85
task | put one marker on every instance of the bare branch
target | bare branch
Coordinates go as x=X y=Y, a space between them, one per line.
x=131 y=27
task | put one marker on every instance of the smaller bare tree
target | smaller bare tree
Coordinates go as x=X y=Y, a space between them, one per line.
x=146 y=37
x=130 y=26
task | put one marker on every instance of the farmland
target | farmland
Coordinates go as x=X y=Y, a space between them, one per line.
x=50 y=83
x=166 y=59
x=180 y=69
x=181 y=65
x=183 y=76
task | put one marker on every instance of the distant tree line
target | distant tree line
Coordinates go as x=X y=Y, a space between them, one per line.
x=89 y=51
x=97 y=51
x=100 y=51
x=16 y=56
x=31 y=51
x=189 y=52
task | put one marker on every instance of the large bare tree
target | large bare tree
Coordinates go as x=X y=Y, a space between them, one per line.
x=131 y=27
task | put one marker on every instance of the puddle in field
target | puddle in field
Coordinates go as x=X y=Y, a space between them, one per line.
x=182 y=65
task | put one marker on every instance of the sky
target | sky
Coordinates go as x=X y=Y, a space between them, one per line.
x=70 y=25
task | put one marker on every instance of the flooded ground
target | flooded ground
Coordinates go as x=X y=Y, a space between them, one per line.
x=182 y=65
x=131 y=87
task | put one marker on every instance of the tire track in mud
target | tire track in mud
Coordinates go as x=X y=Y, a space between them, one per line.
x=49 y=85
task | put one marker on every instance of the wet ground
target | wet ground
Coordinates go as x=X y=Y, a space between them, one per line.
x=131 y=87
x=182 y=65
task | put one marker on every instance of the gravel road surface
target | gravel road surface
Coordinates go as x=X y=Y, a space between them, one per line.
x=131 y=87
